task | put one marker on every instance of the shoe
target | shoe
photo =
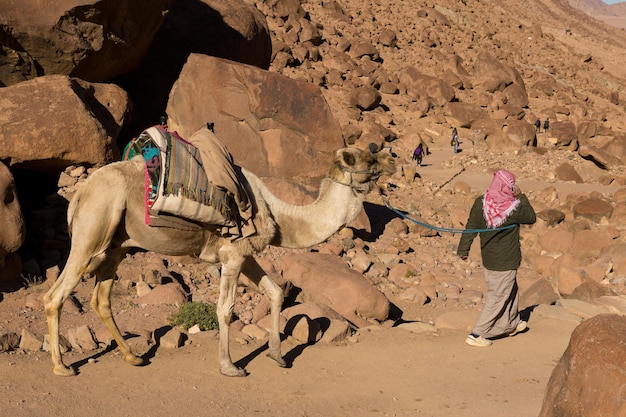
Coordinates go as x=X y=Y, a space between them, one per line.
x=521 y=326
x=479 y=341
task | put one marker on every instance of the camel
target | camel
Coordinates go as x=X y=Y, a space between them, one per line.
x=106 y=219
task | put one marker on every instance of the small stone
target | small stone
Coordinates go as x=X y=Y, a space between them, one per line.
x=194 y=329
x=30 y=342
x=173 y=339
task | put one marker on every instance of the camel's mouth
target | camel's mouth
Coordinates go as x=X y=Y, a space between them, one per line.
x=386 y=165
x=364 y=188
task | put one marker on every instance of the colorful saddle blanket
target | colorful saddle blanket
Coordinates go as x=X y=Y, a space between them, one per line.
x=176 y=181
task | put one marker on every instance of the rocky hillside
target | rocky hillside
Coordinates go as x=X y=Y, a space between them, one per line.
x=598 y=8
x=317 y=76
x=544 y=60
x=394 y=73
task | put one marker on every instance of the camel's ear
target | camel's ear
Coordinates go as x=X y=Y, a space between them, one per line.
x=343 y=157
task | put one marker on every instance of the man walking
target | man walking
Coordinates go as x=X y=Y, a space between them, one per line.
x=503 y=208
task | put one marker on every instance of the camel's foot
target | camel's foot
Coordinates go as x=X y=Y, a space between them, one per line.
x=62 y=370
x=232 y=370
x=133 y=360
x=276 y=356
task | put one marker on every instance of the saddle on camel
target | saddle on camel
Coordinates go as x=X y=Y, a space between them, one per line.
x=191 y=184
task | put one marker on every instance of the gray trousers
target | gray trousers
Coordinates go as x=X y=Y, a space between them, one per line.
x=499 y=315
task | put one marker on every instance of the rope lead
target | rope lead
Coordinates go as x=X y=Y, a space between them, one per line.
x=446 y=229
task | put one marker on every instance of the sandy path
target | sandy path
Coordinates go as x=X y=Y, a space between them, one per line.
x=387 y=372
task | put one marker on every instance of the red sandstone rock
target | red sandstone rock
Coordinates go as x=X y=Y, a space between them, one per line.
x=589 y=379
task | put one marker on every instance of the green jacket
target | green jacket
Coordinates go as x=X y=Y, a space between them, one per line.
x=500 y=250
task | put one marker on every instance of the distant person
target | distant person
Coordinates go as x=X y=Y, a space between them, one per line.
x=538 y=125
x=546 y=125
x=455 y=140
x=503 y=204
x=418 y=154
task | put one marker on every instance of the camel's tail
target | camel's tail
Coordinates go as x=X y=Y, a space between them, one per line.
x=71 y=209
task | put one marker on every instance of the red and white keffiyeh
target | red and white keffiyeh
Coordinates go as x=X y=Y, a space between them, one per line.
x=499 y=201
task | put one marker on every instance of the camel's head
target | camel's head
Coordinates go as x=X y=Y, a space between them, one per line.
x=360 y=168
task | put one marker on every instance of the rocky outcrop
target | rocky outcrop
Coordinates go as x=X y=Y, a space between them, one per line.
x=233 y=30
x=326 y=281
x=589 y=378
x=12 y=227
x=491 y=74
x=274 y=126
x=593 y=208
x=564 y=135
x=600 y=157
x=418 y=85
x=501 y=135
x=566 y=172
x=61 y=121
x=95 y=41
x=463 y=115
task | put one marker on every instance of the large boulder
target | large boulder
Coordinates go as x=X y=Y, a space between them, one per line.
x=564 y=135
x=328 y=281
x=463 y=115
x=540 y=292
x=558 y=241
x=589 y=379
x=594 y=133
x=519 y=133
x=600 y=157
x=500 y=135
x=91 y=40
x=418 y=85
x=12 y=230
x=273 y=125
x=55 y=121
x=616 y=146
x=491 y=75
x=589 y=244
x=516 y=95
x=593 y=208
x=566 y=172
x=546 y=86
x=229 y=29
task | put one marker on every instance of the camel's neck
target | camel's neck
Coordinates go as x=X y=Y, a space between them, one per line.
x=305 y=226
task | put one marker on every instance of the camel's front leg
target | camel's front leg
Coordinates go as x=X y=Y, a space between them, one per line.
x=231 y=267
x=101 y=304
x=273 y=292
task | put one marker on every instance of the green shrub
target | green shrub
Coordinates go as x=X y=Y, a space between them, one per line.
x=32 y=280
x=200 y=313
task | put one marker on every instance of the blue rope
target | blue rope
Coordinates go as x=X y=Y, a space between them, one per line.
x=446 y=229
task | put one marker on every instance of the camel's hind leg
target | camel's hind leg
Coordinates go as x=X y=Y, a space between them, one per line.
x=53 y=304
x=101 y=305
x=92 y=225
x=273 y=292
